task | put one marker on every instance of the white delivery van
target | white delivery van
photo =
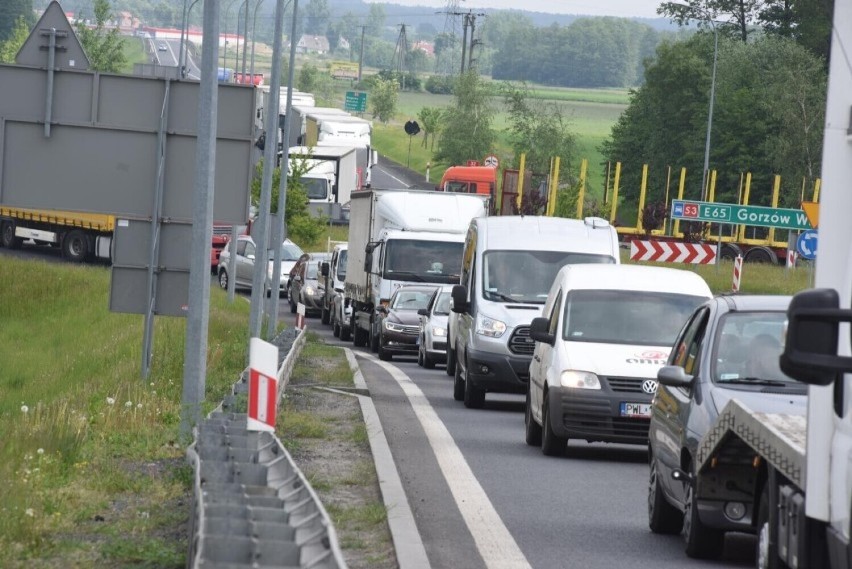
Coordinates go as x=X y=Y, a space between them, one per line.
x=508 y=265
x=605 y=333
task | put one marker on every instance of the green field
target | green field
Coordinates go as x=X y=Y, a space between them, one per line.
x=591 y=114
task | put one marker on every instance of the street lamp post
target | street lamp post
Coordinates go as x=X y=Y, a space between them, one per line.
x=237 y=34
x=184 y=48
x=253 y=35
x=706 y=186
x=225 y=27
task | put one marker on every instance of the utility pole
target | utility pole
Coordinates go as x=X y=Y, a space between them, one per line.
x=361 y=58
x=464 y=42
x=401 y=54
x=473 y=42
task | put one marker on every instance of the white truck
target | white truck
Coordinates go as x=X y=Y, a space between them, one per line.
x=330 y=176
x=323 y=129
x=399 y=237
x=803 y=465
x=299 y=124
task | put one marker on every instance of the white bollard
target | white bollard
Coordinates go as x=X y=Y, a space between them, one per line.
x=738 y=271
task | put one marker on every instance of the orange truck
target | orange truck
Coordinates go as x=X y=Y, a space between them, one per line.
x=480 y=180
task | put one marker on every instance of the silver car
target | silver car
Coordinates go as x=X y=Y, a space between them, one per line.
x=244 y=264
x=434 y=320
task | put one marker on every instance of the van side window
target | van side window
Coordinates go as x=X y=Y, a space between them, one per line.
x=554 y=313
x=685 y=353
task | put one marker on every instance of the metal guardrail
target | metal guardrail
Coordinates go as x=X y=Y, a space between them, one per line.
x=252 y=506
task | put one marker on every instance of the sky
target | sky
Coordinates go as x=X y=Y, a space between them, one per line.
x=623 y=8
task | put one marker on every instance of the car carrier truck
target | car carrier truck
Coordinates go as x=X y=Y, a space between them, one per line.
x=800 y=467
x=80 y=236
x=399 y=237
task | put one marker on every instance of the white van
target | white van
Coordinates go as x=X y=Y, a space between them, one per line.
x=508 y=265
x=605 y=332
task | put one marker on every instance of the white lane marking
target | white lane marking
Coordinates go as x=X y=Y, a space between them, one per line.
x=496 y=545
x=389 y=175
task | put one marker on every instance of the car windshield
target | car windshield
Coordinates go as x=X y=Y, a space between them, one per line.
x=748 y=345
x=311 y=270
x=341 y=265
x=411 y=299
x=423 y=261
x=316 y=188
x=526 y=276
x=442 y=305
x=626 y=316
x=289 y=252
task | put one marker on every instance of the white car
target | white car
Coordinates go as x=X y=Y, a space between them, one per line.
x=244 y=266
x=606 y=331
x=434 y=323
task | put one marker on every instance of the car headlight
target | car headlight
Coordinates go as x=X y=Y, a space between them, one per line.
x=580 y=379
x=309 y=290
x=392 y=326
x=439 y=332
x=490 y=327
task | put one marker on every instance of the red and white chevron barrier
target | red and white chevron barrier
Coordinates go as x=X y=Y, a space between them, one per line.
x=792 y=257
x=738 y=273
x=671 y=252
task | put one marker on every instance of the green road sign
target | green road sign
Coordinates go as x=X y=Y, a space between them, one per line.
x=355 y=102
x=780 y=218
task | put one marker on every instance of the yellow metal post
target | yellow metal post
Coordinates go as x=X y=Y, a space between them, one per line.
x=680 y=190
x=817 y=186
x=642 y=190
x=555 y=183
x=521 y=180
x=615 y=182
x=745 y=201
x=584 y=164
x=740 y=190
x=712 y=192
x=776 y=190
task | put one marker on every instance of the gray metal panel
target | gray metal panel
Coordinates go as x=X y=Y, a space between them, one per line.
x=132 y=243
x=71 y=57
x=106 y=162
x=129 y=291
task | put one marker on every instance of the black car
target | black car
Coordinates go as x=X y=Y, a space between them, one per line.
x=728 y=349
x=399 y=322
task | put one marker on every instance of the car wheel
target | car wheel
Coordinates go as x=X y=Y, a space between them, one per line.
x=701 y=542
x=223 y=279
x=451 y=361
x=551 y=444
x=663 y=518
x=345 y=333
x=766 y=556
x=532 y=434
x=458 y=385
x=474 y=397
x=428 y=362
x=325 y=316
x=384 y=355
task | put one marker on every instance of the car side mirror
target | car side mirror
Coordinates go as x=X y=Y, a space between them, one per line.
x=324 y=268
x=459 y=296
x=540 y=331
x=810 y=348
x=423 y=312
x=674 y=376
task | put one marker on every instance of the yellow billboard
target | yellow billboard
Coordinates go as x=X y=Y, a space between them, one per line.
x=343 y=69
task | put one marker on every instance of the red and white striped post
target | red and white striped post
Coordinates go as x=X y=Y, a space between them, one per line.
x=792 y=257
x=263 y=386
x=738 y=271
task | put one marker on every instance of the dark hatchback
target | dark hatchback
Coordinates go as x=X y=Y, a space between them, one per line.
x=399 y=323
x=728 y=349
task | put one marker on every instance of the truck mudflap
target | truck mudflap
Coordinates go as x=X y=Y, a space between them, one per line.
x=778 y=439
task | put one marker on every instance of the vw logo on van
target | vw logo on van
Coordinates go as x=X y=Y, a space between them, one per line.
x=649 y=386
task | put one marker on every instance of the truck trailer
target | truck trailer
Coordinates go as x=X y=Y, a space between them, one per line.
x=80 y=236
x=322 y=129
x=800 y=467
x=399 y=237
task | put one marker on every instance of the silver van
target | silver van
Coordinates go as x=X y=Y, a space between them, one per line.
x=508 y=266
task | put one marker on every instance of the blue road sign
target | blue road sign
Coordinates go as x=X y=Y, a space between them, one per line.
x=806 y=244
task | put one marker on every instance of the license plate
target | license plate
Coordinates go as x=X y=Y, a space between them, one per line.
x=642 y=410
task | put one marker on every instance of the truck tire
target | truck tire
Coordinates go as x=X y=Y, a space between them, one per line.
x=701 y=542
x=474 y=397
x=551 y=445
x=360 y=337
x=766 y=556
x=761 y=255
x=325 y=317
x=335 y=328
x=76 y=246
x=532 y=430
x=7 y=237
x=345 y=333
x=663 y=518
x=458 y=384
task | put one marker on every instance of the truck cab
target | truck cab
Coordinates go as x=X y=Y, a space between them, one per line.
x=470 y=180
